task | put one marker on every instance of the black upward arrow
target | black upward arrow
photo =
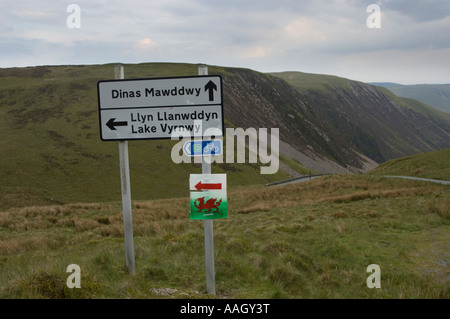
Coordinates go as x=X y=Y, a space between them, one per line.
x=211 y=87
x=112 y=125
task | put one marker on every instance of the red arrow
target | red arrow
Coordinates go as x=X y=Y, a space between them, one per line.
x=201 y=186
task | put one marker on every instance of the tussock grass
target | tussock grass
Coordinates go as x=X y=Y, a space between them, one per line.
x=434 y=165
x=440 y=207
x=46 y=284
x=306 y=240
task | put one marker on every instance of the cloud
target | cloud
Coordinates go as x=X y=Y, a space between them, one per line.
x=396 y=66
x=142 y=47
x=311 y=36
x=419 y=10
x=304 y=30
x=255 y=52
x=147 y=43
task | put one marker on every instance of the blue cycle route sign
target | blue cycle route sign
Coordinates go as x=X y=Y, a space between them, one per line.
x=204 y=147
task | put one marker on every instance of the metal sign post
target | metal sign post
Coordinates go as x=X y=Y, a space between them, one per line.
x=161 y=108
x=208 y=223
x=126 y=193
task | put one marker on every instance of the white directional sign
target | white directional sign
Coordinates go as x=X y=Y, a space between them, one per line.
x=157 y=108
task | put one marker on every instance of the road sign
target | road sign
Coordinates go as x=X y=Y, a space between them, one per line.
x=159 y=107
x=208 y=196
x=204 y=147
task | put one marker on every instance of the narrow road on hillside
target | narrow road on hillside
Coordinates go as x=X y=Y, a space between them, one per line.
x=422 y=179
x=310 y=177
x=295 y=180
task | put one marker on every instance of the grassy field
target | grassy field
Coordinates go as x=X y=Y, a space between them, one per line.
x=434 y=165
x=306 y=240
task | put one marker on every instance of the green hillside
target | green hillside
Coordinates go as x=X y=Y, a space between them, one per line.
x=51 y=151
x=308 y=81
x=372 y=119
x=434 y=165
x=435 y=95
x=416 y=105
x=322 y=82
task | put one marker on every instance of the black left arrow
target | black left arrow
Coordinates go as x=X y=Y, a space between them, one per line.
x=112 y=125
x=211 y=87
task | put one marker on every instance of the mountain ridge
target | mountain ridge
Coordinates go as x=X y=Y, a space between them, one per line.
x=434 y=95
x=372 y=118
x=52 y=152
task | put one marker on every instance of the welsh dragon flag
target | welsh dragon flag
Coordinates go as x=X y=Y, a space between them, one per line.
x=208 y=196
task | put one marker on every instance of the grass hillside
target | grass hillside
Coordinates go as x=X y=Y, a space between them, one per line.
x=321 y=82
x=306 y=240
x=434 y=165
x=435 y=95
x=52 y=152
x=415 y=104
x=372 y=119
x=309 y=81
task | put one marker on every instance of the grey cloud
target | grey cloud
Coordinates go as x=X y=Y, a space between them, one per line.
x=322 y=34
x=419 y=10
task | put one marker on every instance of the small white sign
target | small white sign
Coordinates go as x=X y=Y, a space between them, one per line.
x=203 y=147
x=208 y=196
x=198 y=182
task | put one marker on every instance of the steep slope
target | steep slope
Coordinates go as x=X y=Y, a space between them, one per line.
x=373 y=120
x=435 y=95
x=51 y=151
x=254 y=99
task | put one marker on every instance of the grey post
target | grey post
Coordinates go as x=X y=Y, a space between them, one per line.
x=208 y=223
x=126 y=193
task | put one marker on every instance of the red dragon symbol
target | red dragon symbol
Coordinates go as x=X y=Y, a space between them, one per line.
x=211 y=205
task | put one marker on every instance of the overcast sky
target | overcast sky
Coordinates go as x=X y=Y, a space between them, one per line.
x=315 y=36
